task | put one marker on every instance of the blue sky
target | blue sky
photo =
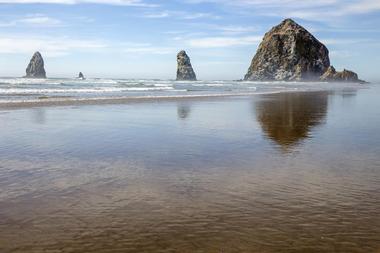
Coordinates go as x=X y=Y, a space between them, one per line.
x=140 y=38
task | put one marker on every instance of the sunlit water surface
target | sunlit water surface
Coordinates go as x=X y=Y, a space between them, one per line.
x=287 y=172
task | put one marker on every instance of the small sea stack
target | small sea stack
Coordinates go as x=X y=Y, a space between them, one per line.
x=81 y=76
x=36 y=67
x=185 y=71
x=331 y=75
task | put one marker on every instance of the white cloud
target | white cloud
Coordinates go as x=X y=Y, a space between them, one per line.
x=157 y=15
x=199 y=15
x=137 y=3
x=360 y=7
x=180 y=15
x=40 y=20
x=49 y=46
x=62 y=46
x=341 y=54
x=345 y=41
x=145 y=48
x=306 y=9
x=33 y=20
x=217 y=42
x=229 y=29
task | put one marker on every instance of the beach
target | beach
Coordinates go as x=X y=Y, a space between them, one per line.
x=266 y=169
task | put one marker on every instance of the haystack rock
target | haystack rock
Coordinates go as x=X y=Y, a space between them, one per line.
x=185 y=71
x=331 y=75
x=289 y=52
x=36 y=67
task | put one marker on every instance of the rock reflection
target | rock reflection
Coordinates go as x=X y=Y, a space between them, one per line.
x=287 y=118
x=183 y=111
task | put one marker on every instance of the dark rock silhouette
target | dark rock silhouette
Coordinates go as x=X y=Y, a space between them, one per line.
x=184 y=69
x=289 y=52
x=81 y=76
x=183 y=111
x=36 y=67
x=331 y=75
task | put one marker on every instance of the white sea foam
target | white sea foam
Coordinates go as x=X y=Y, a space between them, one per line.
x=81 y=90
x=28 y=90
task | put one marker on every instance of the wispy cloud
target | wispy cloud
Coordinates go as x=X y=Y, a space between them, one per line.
x=180 y=15
x=137 y=3
x=306 y=9
x=230 y=29
x=346 y=41
x=146 y=48
x=62 y=46
x=50 y=46
x=344 y=54
x=163 y=14
x=218 y=42
x=226 y=29
x=33 y=20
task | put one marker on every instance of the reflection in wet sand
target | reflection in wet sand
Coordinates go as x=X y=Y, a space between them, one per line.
x=133 y=178
x=289 y=117
x=183 y=110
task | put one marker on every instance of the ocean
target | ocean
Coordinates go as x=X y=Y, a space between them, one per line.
x=18 y=90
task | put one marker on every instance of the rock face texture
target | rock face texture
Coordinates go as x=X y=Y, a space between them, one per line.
x=81 y=76
x=184 y=69
x=36 y=67
x=289 y=52
x=331 y=75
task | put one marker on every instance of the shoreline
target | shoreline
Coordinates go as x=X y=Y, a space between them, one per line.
x=137 y=99
x=126 y=100
x=104 y=100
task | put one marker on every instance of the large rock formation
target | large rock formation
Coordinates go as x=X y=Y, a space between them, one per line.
x=36 y=67
x=289 y=52
x=331 y=75
x=184 y=69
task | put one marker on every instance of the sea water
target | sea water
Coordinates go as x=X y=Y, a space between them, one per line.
x=15 y=90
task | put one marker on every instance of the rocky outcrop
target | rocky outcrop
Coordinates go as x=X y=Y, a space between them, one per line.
x=331 y=75
x=289 y=52
x=184 y=69
x=81 y=76
x=36 y=67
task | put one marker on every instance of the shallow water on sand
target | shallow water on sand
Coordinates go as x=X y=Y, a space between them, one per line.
x=288 y=172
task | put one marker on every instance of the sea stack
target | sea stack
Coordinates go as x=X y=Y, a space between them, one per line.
x=331 y=75
x=36 y=67
x=185 y=71
x=81 y=76
x=289 y=52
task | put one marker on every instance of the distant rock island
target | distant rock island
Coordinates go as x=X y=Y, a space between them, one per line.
x=185 y=71
x=289 y=52
x=36 y=67
x=81 y=76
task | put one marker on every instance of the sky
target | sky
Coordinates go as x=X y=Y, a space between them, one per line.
x=140 y=38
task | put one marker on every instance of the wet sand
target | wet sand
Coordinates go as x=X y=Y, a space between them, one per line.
x=289 y=172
